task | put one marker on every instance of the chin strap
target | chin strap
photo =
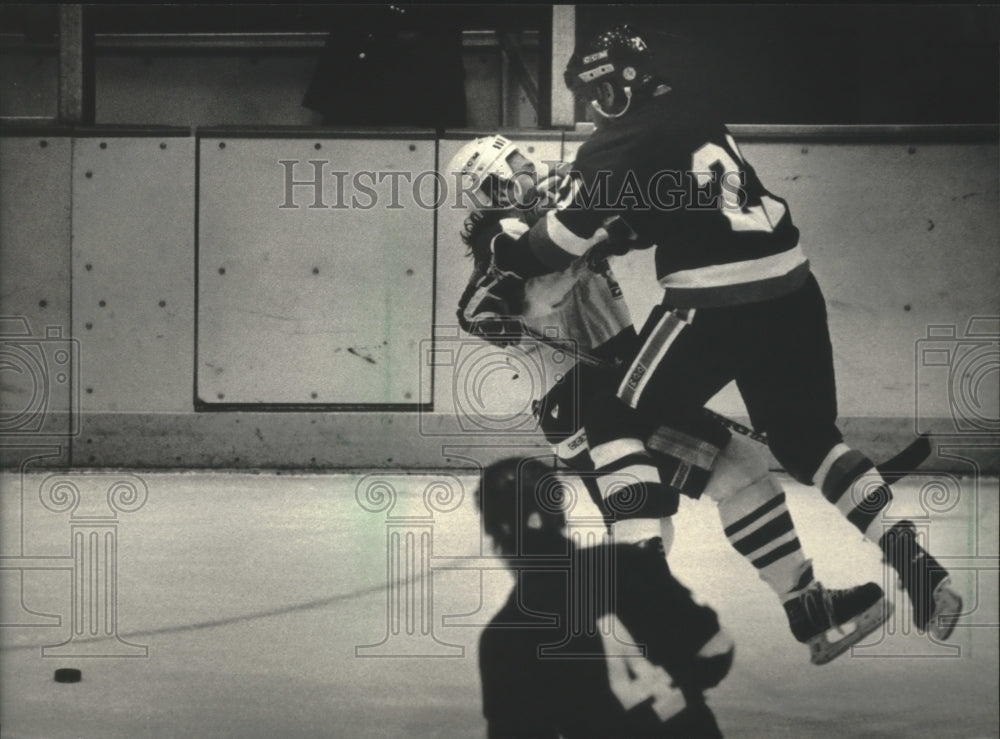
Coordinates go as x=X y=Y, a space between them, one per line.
x=628 y=101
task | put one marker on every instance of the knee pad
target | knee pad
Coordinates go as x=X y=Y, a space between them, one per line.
x=740 y=466
x=687 y=450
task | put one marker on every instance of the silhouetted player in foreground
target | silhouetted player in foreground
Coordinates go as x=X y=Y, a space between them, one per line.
x=596 y=641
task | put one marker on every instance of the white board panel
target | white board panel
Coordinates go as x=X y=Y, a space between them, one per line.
x=133 y=264
x=309 y=296
x=37 y=352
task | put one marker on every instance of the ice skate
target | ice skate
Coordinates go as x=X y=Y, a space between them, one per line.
x=831 y=621
x=936 y=606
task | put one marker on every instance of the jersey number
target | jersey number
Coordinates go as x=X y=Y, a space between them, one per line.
x=760 y=212
x=634 y=679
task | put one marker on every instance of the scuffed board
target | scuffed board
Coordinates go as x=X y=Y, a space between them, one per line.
x=307 y=298
x=903 y=241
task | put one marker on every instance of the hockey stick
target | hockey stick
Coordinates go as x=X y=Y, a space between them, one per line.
x=892 y=470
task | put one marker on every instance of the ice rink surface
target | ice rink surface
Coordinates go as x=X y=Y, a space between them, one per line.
x=267 y=605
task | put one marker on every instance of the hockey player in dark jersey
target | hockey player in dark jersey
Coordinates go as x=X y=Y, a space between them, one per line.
x=599 y=641
x=638 y=471
x=740 y=304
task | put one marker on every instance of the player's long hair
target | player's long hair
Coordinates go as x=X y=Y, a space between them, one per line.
x=473 y=230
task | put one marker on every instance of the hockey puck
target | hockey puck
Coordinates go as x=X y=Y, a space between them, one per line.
x=68 y=675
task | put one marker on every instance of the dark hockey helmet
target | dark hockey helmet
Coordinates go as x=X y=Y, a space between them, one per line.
x=618 y=55
x=520 y=497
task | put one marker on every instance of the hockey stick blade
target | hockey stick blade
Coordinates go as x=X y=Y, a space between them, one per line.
x=899 y=466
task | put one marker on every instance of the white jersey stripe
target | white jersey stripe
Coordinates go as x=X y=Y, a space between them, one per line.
x=650 y=356
x=568 y=241
x=736 y=273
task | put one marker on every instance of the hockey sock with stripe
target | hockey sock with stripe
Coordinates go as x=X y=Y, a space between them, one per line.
x=759 y=526
x=852 y=483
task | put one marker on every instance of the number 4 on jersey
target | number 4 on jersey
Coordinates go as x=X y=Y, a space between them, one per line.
x=634 y=679
x=759 y=212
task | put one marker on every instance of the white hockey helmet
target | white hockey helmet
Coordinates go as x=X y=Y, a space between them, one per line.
x=479 y=159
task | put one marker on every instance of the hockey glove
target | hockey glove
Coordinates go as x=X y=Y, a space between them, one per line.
x=544 y=199
x=499 y=330
x=514 y=258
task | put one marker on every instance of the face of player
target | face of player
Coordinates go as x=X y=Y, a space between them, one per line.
x=525 y=175
x=593 y=116
x=522 y=183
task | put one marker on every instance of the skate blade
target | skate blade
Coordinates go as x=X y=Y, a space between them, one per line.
x=826 y=647
x=947 y=609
